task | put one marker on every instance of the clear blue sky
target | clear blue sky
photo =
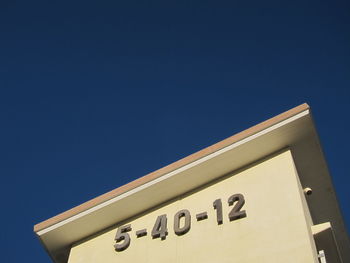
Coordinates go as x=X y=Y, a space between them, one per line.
x=95 y=94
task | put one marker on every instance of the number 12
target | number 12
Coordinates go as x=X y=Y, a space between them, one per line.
x=235 y=213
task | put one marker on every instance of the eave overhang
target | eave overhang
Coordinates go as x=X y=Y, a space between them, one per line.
x=292 y=129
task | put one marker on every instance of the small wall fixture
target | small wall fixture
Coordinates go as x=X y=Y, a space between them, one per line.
x=308 y=191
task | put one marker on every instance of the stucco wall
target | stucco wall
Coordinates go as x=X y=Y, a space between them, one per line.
x=275 y=229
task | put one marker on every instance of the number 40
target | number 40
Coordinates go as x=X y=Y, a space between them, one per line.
x=160 y=228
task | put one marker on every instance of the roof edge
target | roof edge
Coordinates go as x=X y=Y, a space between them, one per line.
x=171 y=167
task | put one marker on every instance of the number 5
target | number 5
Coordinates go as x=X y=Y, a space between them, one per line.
x=122 y=235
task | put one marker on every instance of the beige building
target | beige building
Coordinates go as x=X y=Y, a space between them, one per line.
x=262 y=195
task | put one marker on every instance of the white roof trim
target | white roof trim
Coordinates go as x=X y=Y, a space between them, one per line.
x=168 y=175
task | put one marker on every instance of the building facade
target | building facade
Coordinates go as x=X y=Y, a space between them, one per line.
x=263 y=195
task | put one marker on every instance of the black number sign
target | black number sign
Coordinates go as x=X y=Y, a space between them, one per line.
x=182 y=222
x=187 y=225
x=122 y=235
x=160 y=228
x=218 y=207
x=235 y=212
